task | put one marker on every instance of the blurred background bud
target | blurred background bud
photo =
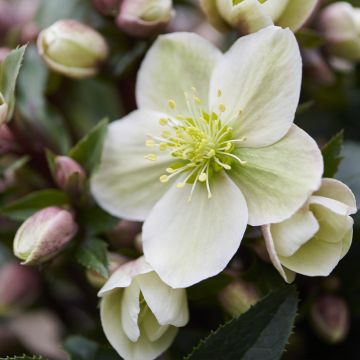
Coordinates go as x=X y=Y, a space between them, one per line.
x=330 y=318
x=19 y=286
x=3 y=110
x=316 y=68
x=144 y=18
x=238 y=297
x=72 y=48
x=340 y=25
x=4 y=52
x=107 y=7
x=115 y=261
x=44 y=234
x=69 y=175
x=123 y=234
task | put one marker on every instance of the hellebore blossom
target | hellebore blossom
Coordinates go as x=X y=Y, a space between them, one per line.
x=43 y=235
x=139 y=313
x=340 y=24
x=317 y=237
x=221 y=152
x=72 y=48
x=248 y=16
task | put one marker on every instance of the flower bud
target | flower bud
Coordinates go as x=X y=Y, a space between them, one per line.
x=18 y=286
x=72 y=48
x=4 y=52
x=144 y=18
x=124 y=233
x=69 y=175
x=140 y=314
x=330 y=318
x=340 y=24
x=43 y=235
x=238 y=297
x=3 y=109
x=248 y=16
x=107 y=7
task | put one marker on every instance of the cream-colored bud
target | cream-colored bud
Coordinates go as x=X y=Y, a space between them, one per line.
x=144 y=18
x=43 y=235
x=72 y=48
x=340 y=25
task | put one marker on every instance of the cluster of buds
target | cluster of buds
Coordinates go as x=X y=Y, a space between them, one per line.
x=43 y=235
x=140 y=18
x=72 y=48
x=248 y=16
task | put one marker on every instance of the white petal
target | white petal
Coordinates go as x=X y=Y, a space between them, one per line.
x=123 y=276
x=175 y=63
x=315 y=258
x=187 y=242
x=143 y=349
x=278 y=179
x=168 y=305
x=346 y=243
x=335 y=189
x=275 y=7
x=130 y=309
x=290 y=234
x=260 y=80
x=296 y=13
x=333 y=205
x=247 y=16
x=153 y=330
x=126 y=184
x=288 y=275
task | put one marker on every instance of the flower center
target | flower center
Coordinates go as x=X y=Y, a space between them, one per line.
x=201 y=142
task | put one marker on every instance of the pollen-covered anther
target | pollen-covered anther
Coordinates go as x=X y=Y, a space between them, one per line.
x=163 y=121
x=203 y=177
x=150 y=143
x=172 y=104
x=164 y=178
x=151 y=157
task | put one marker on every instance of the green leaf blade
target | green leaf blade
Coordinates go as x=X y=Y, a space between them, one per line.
x=260 y=333
x=332 y=154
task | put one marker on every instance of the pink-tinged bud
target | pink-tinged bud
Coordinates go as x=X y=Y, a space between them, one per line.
x=19 y=286
x=340 y=25
x=43 y=235
x=4 y=52
x=107 y=7
x=72 y=48
x=124 y=233
x=69 y=175
x=238 y=297
x=144 y=18
x=115 y=261
x=330 y=318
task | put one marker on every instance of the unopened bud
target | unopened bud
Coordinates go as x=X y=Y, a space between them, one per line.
x=107 y=7
x=18 y=286
x=115 y=261
x=340 y=25
x=238 y=297
x=144 y=18
x=4 y=52
x=43 y=235
x=3 y=110
x=330 y=318
x=72 y=48
x=69 y=175
x=124 y=233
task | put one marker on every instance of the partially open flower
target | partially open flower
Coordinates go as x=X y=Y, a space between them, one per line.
x=340 y=24
x=317 y=237
x=72 y=48
x=144 y=18
x=330 y=318
x=43 y=235
x=69 y=175
x=140 y=314
x=248 y=16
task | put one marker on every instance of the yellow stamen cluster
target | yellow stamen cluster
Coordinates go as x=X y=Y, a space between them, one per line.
x=201 y=142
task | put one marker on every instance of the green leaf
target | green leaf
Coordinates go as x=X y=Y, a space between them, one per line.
x=92 y=254
x=22 y=208
x=22 y=357
x=87 y=152
x=308 y=38
x=332 y=154
x=304 y=107
x=80 y=348
x=260 y=333
x=9 y=72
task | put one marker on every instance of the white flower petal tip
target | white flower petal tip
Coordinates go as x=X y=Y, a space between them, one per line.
x=140 y=314
x=318 y=236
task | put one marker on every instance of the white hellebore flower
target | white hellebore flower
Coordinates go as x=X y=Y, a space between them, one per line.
x=248 y=16
x=223 y=150
x=317 y=237
x=140 y=314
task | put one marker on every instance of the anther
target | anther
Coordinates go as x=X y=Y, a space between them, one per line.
x=219 y=93
x=170 y=170
x=151 y=157
x=162 y=146
x=202 y=177
x=180 y=185
x=222 y=107
x=164 y=178
x=150 y=143
x=172 y=104
x=163 y=121
x=211 y=153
